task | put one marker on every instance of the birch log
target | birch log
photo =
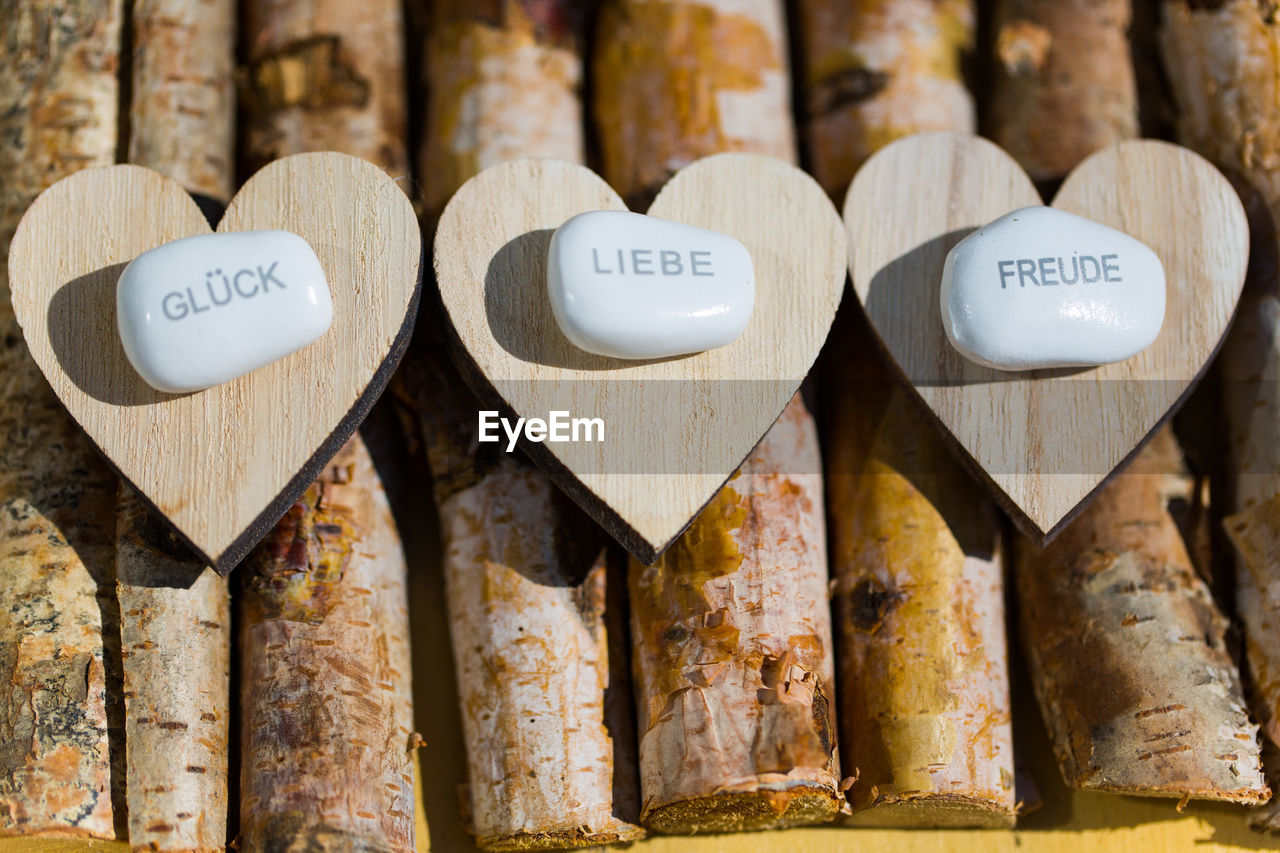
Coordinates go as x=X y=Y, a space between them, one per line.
x=1122 y=711
x=535 y=619
x=324 y=649
x=1223 y=64
x=505 y=82
x=60 y=718
x=923 y=678
x=326 y=703
x=1064 y=81
x=534 y=611
x=324 y=76
x=175 y=626
x=731 y=631
x=1127 y=650
x=874 y=71
x=175 y=614
x=920 y=622
x=675 y=81
x=182 y=114
x=731 y=628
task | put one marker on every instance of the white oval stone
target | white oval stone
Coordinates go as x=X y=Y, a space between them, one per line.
x=1040 y=287
x=632 y=286
x=201 y=311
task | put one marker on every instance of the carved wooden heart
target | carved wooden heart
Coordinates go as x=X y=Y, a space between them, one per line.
x=675 y=429
x=221 y=464
x=1047 y=440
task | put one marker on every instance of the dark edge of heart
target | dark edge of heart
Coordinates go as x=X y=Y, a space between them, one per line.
x=257 y=529
x=591 y=503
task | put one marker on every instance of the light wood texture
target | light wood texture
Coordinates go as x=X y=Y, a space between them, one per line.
x=657 y=466
x=1046 y=440
x=61 y=772
x=222 y=464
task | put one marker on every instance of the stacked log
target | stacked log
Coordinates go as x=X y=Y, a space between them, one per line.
x=325 y=701
x=731 y=627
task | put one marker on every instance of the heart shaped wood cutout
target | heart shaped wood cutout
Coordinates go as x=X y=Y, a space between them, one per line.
x=221 y=464
x=674 y=429
x=1048 y=439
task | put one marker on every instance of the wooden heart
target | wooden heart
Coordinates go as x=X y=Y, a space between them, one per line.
x=221 y=464
x=1046 y=440
x=674 y=429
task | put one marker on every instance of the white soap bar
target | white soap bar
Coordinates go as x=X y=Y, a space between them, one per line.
x=632 y=286
x=201 y=311
x=1040 y=287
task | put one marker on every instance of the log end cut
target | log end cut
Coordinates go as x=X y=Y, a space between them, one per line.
x=573 y=837
x=936 y=811
x=747 y=811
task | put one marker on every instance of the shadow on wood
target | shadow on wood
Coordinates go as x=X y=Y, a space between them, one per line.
x=86 y=342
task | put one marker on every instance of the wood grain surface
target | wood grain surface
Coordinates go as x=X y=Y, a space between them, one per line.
x=675 y=429
x=224 y=463
x=1047 y=439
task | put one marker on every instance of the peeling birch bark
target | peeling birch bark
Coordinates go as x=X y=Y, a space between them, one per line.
x=182 y=115
x=535 y=615
x=1124 y=641
x=925 y=709
x=676 y=80
x=175 y=617
x=1127 y=650
x=326 y=701
x=1064 y=81
x=535 y=612
x=744 y=739
x=504 y=82
x=175 y=612
x=1223 y=65
x=61 y=766
x=731 y=633
x=324 y=76
x=327 y=717
x=876 y=71
x=924 y=686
